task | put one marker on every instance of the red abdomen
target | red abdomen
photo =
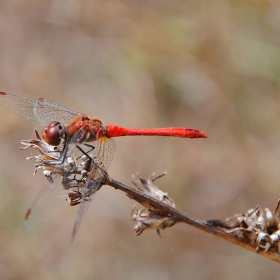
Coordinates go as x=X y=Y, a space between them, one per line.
x=116 y=131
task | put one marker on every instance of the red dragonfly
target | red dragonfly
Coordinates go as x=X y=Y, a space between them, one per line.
x=63 y=124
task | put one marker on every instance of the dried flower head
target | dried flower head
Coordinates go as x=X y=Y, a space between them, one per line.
x=258 y=227
x=149 y=217
x=77 y=171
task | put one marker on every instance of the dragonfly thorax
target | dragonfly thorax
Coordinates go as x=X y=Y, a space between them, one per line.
x=53 y=133
x=84 y=129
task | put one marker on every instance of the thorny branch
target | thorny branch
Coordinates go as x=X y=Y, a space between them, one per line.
x=256 y=230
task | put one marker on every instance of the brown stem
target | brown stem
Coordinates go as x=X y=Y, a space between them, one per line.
x=162 y=207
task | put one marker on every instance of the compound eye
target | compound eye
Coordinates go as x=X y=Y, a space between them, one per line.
x=52 y=133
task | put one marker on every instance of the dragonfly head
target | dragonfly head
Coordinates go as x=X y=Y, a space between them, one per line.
x=52 y=133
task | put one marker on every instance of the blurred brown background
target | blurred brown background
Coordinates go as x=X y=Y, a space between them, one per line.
x=211 y=65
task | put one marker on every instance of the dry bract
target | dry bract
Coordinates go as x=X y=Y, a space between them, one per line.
x=258 y=227
x=149 y=217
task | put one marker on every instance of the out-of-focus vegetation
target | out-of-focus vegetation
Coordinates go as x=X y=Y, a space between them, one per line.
x=212 y=65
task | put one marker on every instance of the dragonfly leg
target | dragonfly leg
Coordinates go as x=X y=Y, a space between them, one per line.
x=85 y=153
x=60 y=160
x=89 y=145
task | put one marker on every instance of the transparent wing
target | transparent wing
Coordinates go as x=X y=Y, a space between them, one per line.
x=83 y=207
x=47 y=111
x=102 y=155
x=49 y=198
x=92 y=185
x=42 y=110
x=104 y=150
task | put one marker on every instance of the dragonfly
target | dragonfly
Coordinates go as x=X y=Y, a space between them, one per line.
x=67 y=129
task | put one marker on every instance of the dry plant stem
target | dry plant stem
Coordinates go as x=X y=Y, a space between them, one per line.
x=145 y=199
